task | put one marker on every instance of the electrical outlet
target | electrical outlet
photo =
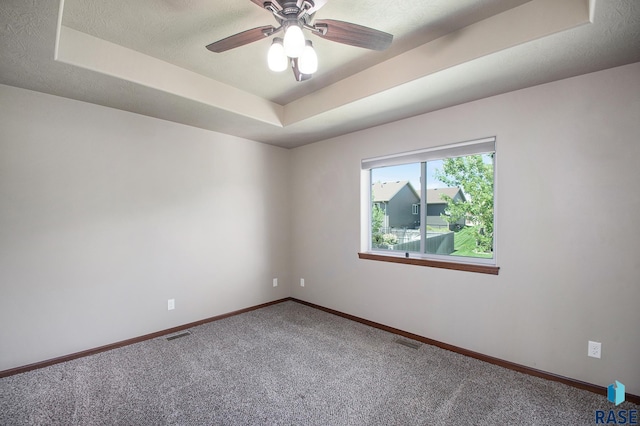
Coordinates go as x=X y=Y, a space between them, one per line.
x=171 y=304
x=594 y=349
x=275 y=282
x=301 y=282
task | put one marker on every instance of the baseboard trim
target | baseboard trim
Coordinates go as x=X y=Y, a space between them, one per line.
x=88 y=352
x=492 y=360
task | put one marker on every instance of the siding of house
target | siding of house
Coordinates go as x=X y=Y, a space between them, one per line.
x=399 y=209
x=435 y=210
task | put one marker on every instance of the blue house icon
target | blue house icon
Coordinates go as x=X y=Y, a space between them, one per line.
x=615 y=393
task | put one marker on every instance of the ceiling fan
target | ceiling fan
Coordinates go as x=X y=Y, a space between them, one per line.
x=293 y=16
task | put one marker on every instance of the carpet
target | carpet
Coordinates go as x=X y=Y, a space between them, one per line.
x=288 y=364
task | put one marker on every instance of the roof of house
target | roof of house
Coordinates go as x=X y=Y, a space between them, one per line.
x=434 y=195
x=385 y=191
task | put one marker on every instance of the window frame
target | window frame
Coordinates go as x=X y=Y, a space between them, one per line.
x=467 y=148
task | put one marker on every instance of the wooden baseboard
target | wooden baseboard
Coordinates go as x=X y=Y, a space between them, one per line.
x=502 y=363
x=601 y=390
x=65 y=358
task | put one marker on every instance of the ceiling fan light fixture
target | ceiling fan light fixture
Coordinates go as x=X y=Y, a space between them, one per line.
x=276 y=58
x=308 y=61
x=292 y=50
x=294 y=42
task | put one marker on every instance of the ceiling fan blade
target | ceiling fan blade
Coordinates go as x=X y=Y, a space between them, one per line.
x=353 y=34
x=240 y=39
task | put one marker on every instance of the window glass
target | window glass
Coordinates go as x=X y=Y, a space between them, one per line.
x=395 y=223
x=459 y=205
x=438 y=207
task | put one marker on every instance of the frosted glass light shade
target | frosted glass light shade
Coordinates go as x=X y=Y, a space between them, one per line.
x=293 y=41
x=276 y=58
x=308 y=61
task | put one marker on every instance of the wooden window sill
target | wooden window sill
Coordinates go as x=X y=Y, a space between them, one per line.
x=479 y=268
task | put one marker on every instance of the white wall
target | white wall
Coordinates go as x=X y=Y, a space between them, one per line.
x=106 y=214
x=567 y=230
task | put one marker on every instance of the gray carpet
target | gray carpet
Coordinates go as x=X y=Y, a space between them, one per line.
x=288 y=364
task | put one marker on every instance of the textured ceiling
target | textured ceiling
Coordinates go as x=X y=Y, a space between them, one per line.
x=148 y=57
x=178 y=31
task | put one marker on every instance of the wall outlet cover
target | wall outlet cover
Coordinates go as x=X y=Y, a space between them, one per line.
x=594 y=349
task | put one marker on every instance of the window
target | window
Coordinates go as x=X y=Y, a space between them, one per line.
x=438 y=205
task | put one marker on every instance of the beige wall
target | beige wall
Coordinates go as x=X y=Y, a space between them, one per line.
x=568 y=274
x=105 y=215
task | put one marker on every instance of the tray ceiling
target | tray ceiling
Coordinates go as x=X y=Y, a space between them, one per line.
x=149 y=57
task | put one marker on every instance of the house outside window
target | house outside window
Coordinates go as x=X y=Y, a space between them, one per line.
x=438 y=203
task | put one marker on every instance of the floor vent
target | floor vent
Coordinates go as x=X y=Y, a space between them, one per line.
x=409 y=343
x=177 y=336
